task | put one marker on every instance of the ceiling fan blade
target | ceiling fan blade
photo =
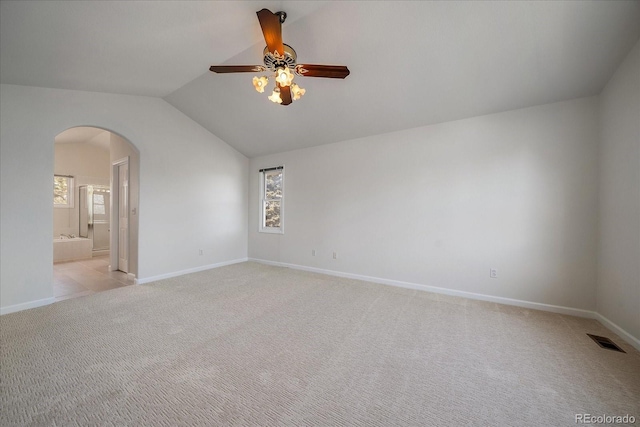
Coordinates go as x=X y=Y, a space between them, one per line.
x=285 y=94
x=329 y=71
x=237 y=68
x=272 y=30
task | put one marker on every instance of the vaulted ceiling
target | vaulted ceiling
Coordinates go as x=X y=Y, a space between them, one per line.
x=412 y=63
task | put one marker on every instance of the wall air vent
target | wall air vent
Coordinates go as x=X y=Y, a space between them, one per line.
x=605 y=342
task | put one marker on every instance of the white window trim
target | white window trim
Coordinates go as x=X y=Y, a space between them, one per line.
x=71 y=188
x=261 y=202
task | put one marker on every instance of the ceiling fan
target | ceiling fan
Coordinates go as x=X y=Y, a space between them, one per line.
x=280 y=59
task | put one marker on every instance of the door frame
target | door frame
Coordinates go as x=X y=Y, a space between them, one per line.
x=114 y=233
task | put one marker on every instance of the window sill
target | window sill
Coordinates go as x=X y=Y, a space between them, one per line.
x=271 y=230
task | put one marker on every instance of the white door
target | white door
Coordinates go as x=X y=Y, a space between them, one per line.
x=123 y=217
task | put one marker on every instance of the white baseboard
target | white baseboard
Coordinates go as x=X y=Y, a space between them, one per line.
x=500 y=300
x=452 y=292
x=635 y=342
x=143 y=280
x=26 y=305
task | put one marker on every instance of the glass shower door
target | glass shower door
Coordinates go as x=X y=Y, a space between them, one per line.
x=100 y=205
x=94 y=202
x=83 y=203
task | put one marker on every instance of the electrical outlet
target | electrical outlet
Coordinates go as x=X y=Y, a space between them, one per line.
x=493 y=273
x=313 y=252
x=201 y=252
x=335 y=255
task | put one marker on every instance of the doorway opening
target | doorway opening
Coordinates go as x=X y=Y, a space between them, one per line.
x=95 y=227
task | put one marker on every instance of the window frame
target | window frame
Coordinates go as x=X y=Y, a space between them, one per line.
x=262 y=228
x=70 y=192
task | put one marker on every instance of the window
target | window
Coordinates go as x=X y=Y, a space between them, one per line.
x=62 y=191
x=272 y=199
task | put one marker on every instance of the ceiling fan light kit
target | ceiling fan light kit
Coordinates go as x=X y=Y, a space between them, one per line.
x=284 y=76
x=280 y=60
x=275 y=96
x=260 y=83
x=297 y=91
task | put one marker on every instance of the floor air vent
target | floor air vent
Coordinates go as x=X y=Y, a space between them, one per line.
x=605 y=342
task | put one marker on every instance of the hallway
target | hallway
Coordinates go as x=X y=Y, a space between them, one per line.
x=74 y=279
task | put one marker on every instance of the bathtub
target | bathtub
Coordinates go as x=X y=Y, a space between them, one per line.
x=72 y=249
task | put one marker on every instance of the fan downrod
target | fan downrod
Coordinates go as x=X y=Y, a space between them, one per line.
x=282 y=15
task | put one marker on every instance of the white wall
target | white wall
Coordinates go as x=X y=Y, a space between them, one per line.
x=618 y=287
x=441 y=205
x=89 y=165
x=193 y=186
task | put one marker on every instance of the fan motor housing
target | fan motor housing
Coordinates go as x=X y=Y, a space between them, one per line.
x=273 y=60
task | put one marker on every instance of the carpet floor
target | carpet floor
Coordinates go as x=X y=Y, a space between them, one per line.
x=256 y=345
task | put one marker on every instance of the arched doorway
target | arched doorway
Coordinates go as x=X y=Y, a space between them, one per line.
x=96 y=190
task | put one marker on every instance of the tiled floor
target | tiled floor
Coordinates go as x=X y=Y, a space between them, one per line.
x=80 y=278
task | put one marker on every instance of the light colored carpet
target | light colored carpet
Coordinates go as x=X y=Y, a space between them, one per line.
x=250 y=344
